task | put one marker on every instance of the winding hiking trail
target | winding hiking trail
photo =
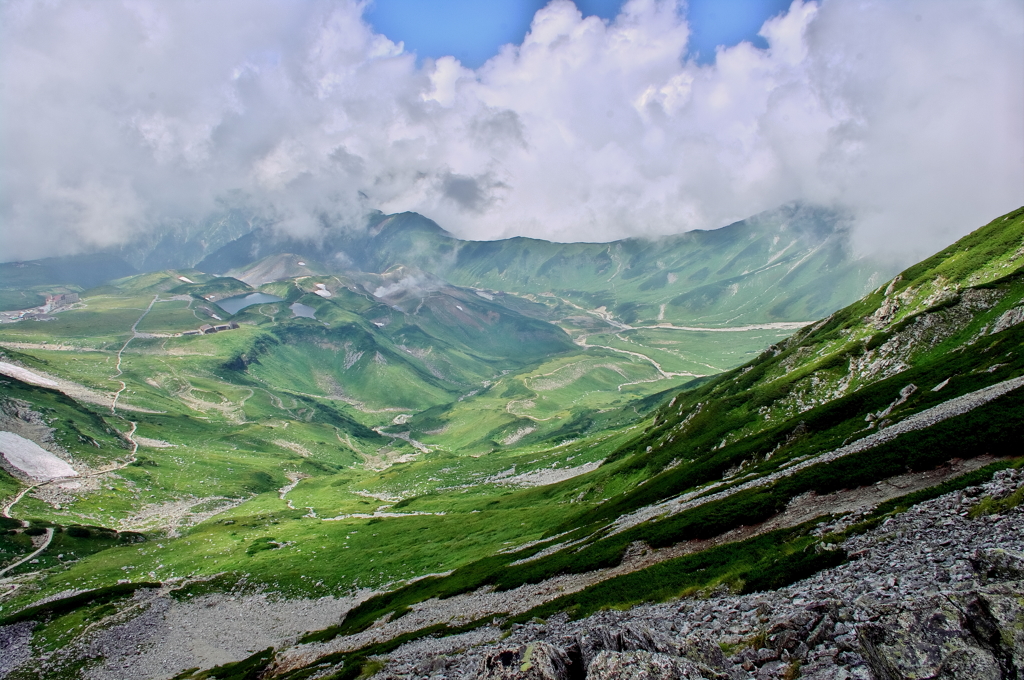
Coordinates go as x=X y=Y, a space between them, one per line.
x=7 y=508
x=135 y=334
x=23 y=560
x=606 y=317
x=772 y=326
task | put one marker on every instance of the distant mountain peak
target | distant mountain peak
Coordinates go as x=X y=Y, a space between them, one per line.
x=405 y=222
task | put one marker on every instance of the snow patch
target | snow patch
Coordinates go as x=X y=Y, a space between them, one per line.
x=31 y=459
x=25 y=375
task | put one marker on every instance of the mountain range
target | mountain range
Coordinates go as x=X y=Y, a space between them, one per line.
x=792 y=263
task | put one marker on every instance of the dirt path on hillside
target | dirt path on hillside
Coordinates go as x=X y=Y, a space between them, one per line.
x=582 y=342
x=606 y=316
x=775 y=326
x=72 y=389
x=55 y=347
x=23 y=560
x=918 y=421
x=135 y=334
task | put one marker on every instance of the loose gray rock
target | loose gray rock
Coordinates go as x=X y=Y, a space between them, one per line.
x=998 y=563
x=930 y=593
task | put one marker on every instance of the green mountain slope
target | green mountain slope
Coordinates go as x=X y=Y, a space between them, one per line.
x=793 y=263
x=848 y=375
x=772 y=267
x=396 y=341
x=539 y=483
x=734 y=453
x=737 y=451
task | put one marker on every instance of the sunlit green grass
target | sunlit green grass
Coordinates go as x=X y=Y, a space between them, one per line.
x=230 y=418
x=697 y=352
x=172 y=316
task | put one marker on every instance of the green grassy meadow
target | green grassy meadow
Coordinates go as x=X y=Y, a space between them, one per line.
x=227 y=420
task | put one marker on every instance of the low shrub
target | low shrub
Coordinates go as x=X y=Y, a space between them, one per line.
x=55 y=608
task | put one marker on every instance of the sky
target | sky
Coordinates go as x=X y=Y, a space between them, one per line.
x=473 y=31
x=124 y=118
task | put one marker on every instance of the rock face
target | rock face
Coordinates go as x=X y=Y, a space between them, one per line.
x=931 y=593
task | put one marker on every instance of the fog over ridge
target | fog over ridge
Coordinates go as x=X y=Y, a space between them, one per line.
x=123 y=117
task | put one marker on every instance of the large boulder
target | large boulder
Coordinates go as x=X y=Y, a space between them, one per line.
x=931 y=638
x=629 y=638
x=643 y=665
x=535 y=661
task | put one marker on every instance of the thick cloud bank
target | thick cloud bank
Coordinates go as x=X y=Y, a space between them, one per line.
x=121 y=117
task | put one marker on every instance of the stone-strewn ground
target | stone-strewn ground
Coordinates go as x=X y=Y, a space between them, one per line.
x=931 y=593
x=155 y=636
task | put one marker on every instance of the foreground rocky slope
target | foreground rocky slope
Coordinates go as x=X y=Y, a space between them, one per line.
x=934 y=592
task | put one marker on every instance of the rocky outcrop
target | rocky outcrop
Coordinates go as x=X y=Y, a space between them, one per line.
x=15 y=646
x=935 y=637
x=607 y=654
x=1007 y=319
x=903 y=338
x=935 y=592
x=534 y=661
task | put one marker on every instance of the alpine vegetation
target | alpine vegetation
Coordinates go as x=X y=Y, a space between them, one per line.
x=511 y=341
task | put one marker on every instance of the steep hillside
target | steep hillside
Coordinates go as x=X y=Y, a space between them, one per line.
x=276 y=268
x=391 y=342
x=732 y=484
x=180 y=245
x=26 y=284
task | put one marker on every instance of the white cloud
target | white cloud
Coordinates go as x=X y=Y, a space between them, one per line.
x=123 y=116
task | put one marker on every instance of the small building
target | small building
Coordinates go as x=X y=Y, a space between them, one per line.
x=60 y=299
x=222 y=327
x=233 y=325
x=207 y=328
